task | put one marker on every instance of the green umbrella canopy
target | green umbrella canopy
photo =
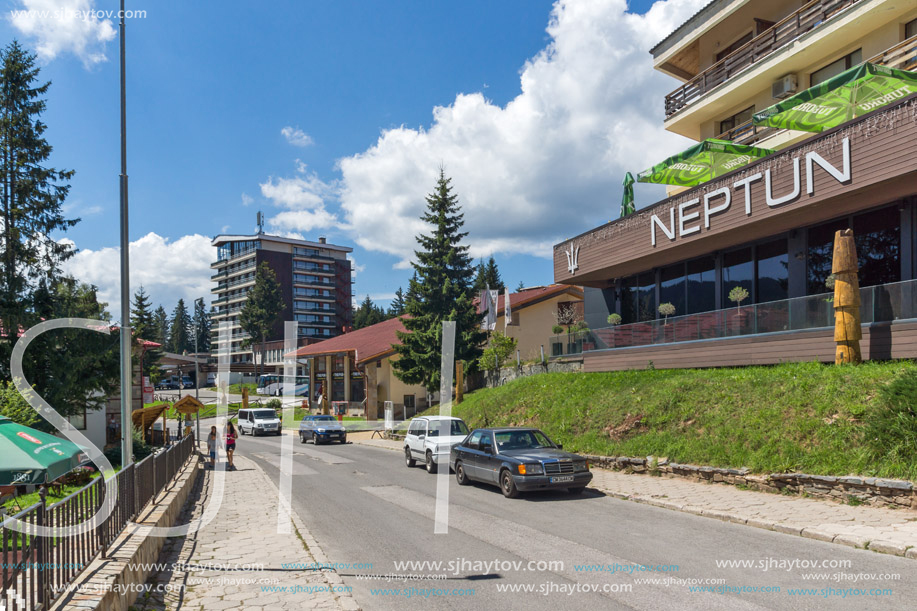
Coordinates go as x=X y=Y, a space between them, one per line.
x=627 y=201
x=702 y=162
x=28 y=456
x=846 y=96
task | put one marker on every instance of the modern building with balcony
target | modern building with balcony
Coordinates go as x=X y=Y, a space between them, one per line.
x=315 y=280
x=767 y=223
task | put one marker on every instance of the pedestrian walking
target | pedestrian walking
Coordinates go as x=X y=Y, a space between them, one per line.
x=230 y=444
x=212 y=446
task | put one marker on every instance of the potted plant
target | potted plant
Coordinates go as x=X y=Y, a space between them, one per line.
x=557 y=347
x=737 y=295
x=614 y=319
x=666 y=309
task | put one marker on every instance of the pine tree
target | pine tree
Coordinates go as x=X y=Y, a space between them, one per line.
x=262 y=309
x=440 y=291
x=141 y=315
x=161 y=327
x=396 y=308
x=368 y=314
x=521 y=286
x=200 y=324
x=180 y=330
x=488 y=276
x=31 y=197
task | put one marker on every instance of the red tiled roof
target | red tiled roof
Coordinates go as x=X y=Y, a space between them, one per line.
x=527 y=297
x=366 y=344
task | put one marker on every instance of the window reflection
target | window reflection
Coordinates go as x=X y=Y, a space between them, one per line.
x=878 y=241
x=738 y=270
x=701 y=285
x=773 y=275
x=672 y=287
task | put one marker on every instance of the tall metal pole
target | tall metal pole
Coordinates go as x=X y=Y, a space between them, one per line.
x=197 y=376
x=127 y=393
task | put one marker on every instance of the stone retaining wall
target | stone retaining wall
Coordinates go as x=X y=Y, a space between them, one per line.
x=866 y=490
x=508 y=374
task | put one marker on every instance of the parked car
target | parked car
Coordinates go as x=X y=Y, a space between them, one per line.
x=321 y=429
x=427 y=442
x=258 y=421
x=211 y=379
x=186 y=382
x=518 y=460
x=165 y=384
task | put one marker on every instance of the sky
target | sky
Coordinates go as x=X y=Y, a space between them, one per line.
x=334 y=119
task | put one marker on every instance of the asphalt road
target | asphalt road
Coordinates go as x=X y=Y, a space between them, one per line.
x=364 y=506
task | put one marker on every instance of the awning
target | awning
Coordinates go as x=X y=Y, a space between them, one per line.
x=144 y=418
x=840 y=99
x=30 y=456
x=702 y=162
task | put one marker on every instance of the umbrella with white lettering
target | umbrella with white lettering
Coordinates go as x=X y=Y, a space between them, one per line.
x=842 y=98
x=702 y=162
x=28 y=456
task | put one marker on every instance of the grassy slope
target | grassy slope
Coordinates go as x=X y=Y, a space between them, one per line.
x=806 y=417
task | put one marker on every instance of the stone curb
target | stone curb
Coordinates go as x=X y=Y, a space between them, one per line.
x=345 y=599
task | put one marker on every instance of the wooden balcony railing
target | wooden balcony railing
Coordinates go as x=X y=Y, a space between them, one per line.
x=806 y=19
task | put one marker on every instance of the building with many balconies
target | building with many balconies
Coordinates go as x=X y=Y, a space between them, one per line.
x=766 y=224
x=315 y=280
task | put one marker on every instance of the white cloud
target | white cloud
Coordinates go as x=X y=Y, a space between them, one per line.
x=247 y=200
x=296 y=136
x=64 y=26
x=303 y=199
x=547 y=165
x=168 y=270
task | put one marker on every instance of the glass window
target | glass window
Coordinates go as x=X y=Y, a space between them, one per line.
x=738 y=270
x=338 y=362
x=629 y=300
x=821 y=251
x=737 y=119
x=836 y=67
x=337 y=390
x=320 y=364
x=357 y=390
x=701 y=285
x=672 y=288
x=910 y=29
x=646 y=300
x=773 y=275
x=878 y=243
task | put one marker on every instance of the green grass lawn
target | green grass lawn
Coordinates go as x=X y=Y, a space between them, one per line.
x=805 y=417
x=236 y=389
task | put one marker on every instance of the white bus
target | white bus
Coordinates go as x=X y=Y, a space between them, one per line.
x=272 y=385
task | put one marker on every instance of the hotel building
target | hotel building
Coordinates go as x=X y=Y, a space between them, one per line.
x=768 y=226
x=314 y=278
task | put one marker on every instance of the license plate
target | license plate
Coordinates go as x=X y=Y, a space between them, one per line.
x=561 y=479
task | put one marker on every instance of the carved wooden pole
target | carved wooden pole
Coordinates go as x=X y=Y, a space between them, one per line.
x=847 y=331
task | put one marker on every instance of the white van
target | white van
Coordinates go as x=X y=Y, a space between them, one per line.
x=258 y=421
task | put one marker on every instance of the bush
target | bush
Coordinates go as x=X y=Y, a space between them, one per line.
x=141 y=449
x=14 y=406
x=78 y=477
x=275 y=404
x=891 y=430
x=557 y=329
x=500 y=347
x=614 y=319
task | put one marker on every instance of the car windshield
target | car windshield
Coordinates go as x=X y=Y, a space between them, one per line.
x=324 y=419
x=457 y=427
x=522 y=440
x=265 y=414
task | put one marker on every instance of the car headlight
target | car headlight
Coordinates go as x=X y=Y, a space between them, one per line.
x=321 y=430
x=259 y=425
x=581 y=466
x=531 y=469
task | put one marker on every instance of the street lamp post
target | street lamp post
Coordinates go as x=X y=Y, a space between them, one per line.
x=127 y=390
x=197 y=378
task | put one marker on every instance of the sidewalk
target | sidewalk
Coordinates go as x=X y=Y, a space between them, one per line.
x=888 y=531
x=236 y=561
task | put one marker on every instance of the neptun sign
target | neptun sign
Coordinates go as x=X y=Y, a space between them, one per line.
x=689 y=217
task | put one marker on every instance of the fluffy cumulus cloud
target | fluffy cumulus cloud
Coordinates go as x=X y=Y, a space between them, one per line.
x=547 y=165
x=302 y=199
x=64 y=26
x=296 y=136
x=168 y=270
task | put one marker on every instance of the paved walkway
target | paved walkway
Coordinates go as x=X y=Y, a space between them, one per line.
x=889 y=531
x=237 y=560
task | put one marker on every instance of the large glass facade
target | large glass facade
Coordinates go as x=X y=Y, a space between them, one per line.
x=773 y=271
x=701 y=285
x=646 y=299
x=878 y=242
x=821 y=251
x=672 y=287
x=738 y=270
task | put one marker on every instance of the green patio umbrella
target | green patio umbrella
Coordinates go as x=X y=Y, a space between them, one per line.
x=702 y=162
x=28 y=456
x=846 y=96
x=627 y=201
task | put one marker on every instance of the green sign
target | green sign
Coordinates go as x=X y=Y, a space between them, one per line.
x=702 y=162
x=848 y=95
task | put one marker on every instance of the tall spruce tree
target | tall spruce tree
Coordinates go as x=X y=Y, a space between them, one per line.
x=143 y=325
x=180 y=329
x=31 y=198
x=200 y=324
x=396 y=308
x=440 y=291
x=488 y=276
x=368 y=314
x=262 y=309
x=161 y=327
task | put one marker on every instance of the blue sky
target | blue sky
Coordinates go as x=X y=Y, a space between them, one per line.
x=212 y=85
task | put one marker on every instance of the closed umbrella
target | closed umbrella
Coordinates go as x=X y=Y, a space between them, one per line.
x=28 y=456
x=842 y=98
x=627 y=201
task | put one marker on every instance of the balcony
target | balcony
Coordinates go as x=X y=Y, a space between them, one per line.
x=811 y=16
x=880 y=303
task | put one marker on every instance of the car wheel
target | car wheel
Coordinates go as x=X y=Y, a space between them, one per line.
x=343 y=440
x=508 y=485
x=431 y=466
x=302 y=438
x=576 y=489
x=460 y=476
x=408 y=459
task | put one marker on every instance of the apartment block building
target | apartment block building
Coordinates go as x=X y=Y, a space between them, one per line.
x=766 y=224
x=315 y=280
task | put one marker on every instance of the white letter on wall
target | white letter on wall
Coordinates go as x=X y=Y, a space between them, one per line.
x=683 y=218
x=772 y=201
x=668 y=231
x=746 y=183
x=840 y=177
x=708 y=211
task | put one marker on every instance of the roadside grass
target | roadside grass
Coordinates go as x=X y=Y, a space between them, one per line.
x=236 y=389
x=805 y=417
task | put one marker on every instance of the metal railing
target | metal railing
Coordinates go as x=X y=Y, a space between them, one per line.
x=35 y=570
x=880 y=303
x=811 y=16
